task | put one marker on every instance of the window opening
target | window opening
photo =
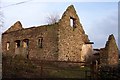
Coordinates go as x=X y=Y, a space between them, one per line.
x=8 y=45
x=40 y=42
x=72 y=22
x=25 y=43
x=17 y=43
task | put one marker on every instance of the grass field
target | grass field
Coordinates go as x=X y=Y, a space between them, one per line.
x=20 y=67
x=23 y=68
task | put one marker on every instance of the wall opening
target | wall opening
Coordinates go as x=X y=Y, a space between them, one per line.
x=26 y=43
x=40 y=42
x=17 y=43
x=72 y=22
x=8 y=45
x=87 y=52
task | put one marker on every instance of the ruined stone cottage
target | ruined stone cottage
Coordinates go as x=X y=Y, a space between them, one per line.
x=64 y=40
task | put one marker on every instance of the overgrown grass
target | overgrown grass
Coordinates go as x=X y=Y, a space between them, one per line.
x=64 y=73
x=20 y=67
x=17 y=67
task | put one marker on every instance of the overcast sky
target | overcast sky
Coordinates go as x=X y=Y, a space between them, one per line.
x=99 y=19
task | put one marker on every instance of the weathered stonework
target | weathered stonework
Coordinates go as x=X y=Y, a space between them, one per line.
x=49 y=44
x=15 y=27
x=71 y=38
x=109 y=54
x=59 y=41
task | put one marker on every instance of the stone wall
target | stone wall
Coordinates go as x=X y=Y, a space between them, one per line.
x=109 y=54
x=71 y=38
x=87 y=53
x=15 y=27
x=63 y=40
x=49 y=47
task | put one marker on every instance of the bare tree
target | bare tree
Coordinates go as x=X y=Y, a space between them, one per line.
x=53 y=18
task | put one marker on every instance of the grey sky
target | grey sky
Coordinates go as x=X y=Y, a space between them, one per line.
x=99 y=19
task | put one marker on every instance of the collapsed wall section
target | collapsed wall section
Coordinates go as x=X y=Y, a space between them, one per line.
x=109 y=54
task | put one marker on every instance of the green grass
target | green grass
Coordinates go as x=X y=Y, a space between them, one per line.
x=66 y=74
x=20 y=67
x=16 y=67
